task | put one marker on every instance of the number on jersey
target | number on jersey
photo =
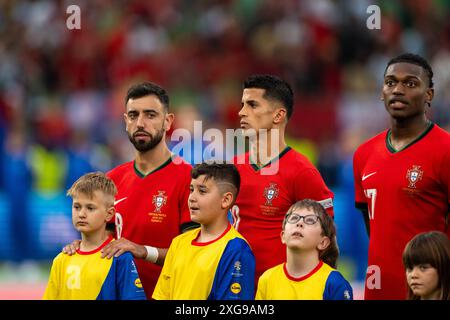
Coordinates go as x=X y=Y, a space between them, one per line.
x=372 y=195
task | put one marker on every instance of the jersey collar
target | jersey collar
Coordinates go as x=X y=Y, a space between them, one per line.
x=201 y=244
x=257 y=168
x=108 y=240
x=422 y=135
x=306 y=276
x=142 y=175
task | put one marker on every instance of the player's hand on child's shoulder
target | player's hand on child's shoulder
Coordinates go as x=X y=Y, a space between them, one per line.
x=72 y=248
x=118 y=247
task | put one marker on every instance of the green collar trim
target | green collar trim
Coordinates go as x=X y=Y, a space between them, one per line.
x=423 y=134
x=255 y=166
x=141 y=175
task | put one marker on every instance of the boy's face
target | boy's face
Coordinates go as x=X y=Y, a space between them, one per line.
x=206 y=201
x=303 y=236
x=90 y=215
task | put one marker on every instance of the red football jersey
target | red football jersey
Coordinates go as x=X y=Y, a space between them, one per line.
x=151 y=209
x=407 y=192
x=264 y=199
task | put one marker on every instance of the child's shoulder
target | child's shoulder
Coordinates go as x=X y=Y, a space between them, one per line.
x=185 y=237
x=126 y=256
x=274 y=271
x=234 y=234
x=61 y=257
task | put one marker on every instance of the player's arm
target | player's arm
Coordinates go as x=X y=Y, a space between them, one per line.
x=158 y=255
x=309 y=184
x=152 y=254
x=445 y=178
x=360 y=198
x=364 y=209
x=71 y=248
x=149 y=253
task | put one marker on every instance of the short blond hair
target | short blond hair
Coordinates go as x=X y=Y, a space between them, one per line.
x=94 y=181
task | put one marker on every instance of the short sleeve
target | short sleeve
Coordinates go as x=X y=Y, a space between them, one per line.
x=51 y=291
x=162 y=290
x=235 y=274
x=128 y=281
x=310 y=185
x=360 y=198
x=261 y=291
x=337 y=288
x=445 y=180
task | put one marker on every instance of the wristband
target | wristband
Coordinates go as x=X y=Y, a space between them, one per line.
x=152 y=254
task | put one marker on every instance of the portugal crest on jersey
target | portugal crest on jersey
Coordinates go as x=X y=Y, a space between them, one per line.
x=159 y=200
x=414 y=175
x=270 y=193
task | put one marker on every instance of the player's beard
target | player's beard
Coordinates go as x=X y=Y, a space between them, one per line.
x=143 y=146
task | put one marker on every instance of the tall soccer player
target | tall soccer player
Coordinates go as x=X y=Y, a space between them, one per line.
x=273 y=176
x=402 y=175
x=153 y=189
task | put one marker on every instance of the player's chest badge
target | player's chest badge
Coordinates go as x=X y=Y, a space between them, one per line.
x=270 y=193
x=159 y=200
x=413 y=176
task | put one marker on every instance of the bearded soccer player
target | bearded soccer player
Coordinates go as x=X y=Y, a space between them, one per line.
x=152 y=200
x=273 y=176
x=402 y=176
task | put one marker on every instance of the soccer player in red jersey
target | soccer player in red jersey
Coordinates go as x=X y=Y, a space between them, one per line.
x=152 y=200
x=402 y=176
x=273 y=176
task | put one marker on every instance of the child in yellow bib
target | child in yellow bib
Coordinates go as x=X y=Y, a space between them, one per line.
x=85 y=275
x=308 y=274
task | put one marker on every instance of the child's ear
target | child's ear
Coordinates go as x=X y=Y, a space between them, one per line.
x=282 y=237
x=227 y=200
x=324 y=243
x=110 y=213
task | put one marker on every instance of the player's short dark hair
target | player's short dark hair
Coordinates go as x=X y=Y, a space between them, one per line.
x=330 y=254
x=275 y=88
x=414 y=59
x=148 y=88
x=220 y=172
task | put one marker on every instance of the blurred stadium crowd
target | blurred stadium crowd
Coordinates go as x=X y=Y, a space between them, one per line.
x=62 y=91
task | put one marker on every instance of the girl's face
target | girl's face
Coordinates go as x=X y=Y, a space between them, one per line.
x=304 y=231
x=423 y=279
